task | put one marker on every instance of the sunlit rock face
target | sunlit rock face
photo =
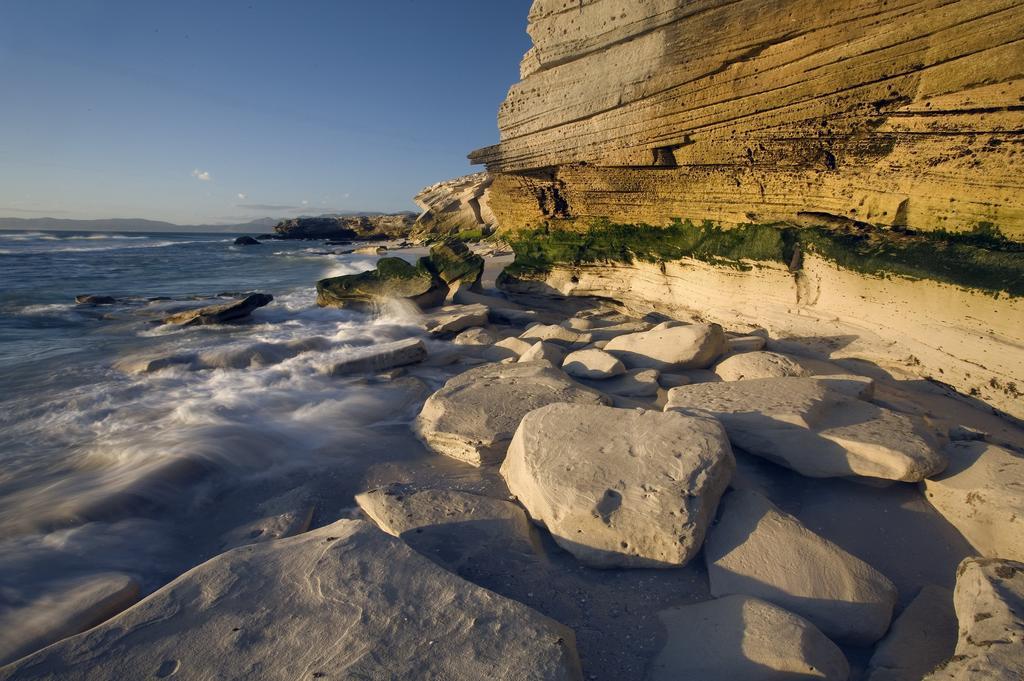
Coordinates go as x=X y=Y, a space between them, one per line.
x=455 y=207
x=870 y=152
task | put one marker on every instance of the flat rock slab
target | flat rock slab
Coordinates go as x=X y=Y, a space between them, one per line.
x=220 y=314
x=620 y=487
x=921 y=638
x=592 y=363
x=453 y=528
x=381 y=357
x=64 y=609
x=757 y=550
x=749 y=365
x=817 y=427
x=981 y=493
x=474 y=416
x=739 y=637
x=553 y=333
x=989 y=602
x=475 y=336
x=454 y=318
x=670 y=347
x=633 y=383
x=344 y=601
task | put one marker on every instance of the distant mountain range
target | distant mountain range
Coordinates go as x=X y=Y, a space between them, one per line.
x=140 y=225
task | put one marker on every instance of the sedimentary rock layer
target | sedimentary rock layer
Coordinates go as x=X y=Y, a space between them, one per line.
x=905 y=113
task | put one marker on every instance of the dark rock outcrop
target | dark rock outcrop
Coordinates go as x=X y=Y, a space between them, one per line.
x=346 y=228
x=95 y=300
x=246 y=241
x=220 y=314
x=393 y=278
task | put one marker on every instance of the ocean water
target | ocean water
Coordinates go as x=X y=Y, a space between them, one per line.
x=102 y=470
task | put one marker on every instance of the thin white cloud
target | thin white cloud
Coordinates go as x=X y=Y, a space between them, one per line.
x=305 y=202
x=203 y=175
x=242 y=196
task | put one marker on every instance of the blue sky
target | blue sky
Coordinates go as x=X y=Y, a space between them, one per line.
x=222 y=111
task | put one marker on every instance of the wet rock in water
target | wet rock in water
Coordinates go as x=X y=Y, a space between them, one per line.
x=455 y=529
x=620 y=487
x=141 y=364
x=633 y=383
x=757 y=550
x=343 y=601
x=288 y=515
x=95 y=300
x=816 y=427
x=981 y=494
x=592 y=363
x=989 y=602
x=739 y=637
x=393 y=278
x=553 y=333
x=542 y=351
x=381 y=357
x=220 y=314
x=758 y=364
x=454 y=318
x=247 y=241
x=667 y=347
x=922 y=637
x=63 y=609
x=475 y=336
x=258 y=354
x=473 y=417
x=455 y=264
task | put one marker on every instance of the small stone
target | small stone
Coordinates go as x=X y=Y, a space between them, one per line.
x=695 y=346
x=592 y=364
x=542 y=351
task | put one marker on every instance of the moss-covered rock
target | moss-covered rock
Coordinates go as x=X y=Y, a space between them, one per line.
x=454 y=262
x=393 y=278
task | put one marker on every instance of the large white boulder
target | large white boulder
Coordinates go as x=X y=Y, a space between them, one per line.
x=592 y=363
x=758 y=550
x=922 y=637
x=694 y=346
x=739 y=637
x=989 y=602
x=343 y=601
x=817 y=427
x=981 y=493
x=454 y=318
x=748 y=365
x=619 y=487
x=473 y=417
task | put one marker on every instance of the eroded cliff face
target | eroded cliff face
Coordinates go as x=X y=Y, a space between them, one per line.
x=455 y=207
x=873 y=150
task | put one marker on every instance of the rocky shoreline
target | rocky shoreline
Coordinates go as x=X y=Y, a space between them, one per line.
x=613 y=445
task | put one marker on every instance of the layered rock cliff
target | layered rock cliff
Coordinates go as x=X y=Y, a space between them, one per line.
x=870 y=151
x=453 y=207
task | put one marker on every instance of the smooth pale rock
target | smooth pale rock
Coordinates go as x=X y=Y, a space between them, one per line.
x=592 y=363
x=220 y=314
x=553 y=333
x=344 y=601
x=542 y=351
x=454 y=206
x=745 y=344
x=750 y=365
x=381 y=357
x=633 y=383
x=696 y=346
x=813 y=427
x=278 y=525
x=607 y=333
x=516 y=345
x=758 y=550
x=739 y=637
x=475 y=336
x=922 y=637
x=474 y=416
x=618 y=487
x=454 y=318
x=141 y=364
x=578 y=324
x=455 y=529
x=981 y=493
x=989 y=602
x=64 y=609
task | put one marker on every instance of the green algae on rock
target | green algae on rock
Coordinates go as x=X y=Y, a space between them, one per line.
x=393 y=278
x=454 y=262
